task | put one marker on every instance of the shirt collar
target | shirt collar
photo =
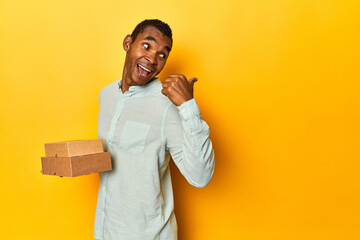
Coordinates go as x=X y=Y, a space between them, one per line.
x=141 y=90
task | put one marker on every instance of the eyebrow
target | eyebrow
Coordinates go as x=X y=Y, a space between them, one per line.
x=153 y=39
x=150 y=39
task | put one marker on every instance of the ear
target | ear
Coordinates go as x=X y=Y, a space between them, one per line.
x=127 y=42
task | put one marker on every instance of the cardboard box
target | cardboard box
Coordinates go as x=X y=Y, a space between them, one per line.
x=77 y=165
x=73 y=148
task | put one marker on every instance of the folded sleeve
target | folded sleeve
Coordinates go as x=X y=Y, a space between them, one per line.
x=186 y=138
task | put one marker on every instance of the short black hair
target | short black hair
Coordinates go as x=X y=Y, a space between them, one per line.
x=158 y=24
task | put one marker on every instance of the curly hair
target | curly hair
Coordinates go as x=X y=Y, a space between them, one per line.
x=158 y=24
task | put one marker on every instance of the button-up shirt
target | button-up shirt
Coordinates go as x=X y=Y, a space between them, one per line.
x=141 y=128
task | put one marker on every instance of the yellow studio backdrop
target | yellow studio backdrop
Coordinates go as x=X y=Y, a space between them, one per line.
x=278 y=85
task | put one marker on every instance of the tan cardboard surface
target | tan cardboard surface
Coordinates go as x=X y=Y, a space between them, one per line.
x=76 y=166
x=74 y=148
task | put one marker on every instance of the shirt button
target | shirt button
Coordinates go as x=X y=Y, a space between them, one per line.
x=184 y=110
x=104 y=188
x=114 y=121
x=192 y=134
x=122 y=100
x=109 y=143
x=103 y=210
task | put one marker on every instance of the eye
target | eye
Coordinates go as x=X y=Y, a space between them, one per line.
x=162 y=55
x=146 y=46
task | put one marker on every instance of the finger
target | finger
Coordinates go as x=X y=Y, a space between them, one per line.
x=168 y=91
x=170 y=79
x=181 y=76
x=176 y=75
x=193 y=80
x=163 y=91
x=166 y=84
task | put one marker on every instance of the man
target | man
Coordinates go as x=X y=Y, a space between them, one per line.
x=143 y=122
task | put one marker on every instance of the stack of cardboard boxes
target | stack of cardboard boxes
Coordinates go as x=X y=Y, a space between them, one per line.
x=75 y=158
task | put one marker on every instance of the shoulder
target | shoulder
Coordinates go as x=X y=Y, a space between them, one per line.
x=110 y=88
x=154 y=95
x=158 y=102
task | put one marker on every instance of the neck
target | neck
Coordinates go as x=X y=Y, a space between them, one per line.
x=124 y=82
x=123 y=87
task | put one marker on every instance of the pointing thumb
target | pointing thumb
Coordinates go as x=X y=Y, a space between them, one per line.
x=193 y=80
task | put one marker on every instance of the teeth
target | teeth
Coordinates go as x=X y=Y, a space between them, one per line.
x=144 y=68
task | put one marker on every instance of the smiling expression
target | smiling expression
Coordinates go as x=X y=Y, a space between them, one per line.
x=145 y=57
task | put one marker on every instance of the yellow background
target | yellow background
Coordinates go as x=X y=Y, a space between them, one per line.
x=278 y=85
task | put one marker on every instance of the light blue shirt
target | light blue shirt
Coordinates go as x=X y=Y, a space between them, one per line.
x=141 y=128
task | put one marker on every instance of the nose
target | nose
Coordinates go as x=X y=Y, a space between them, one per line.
x=151 y=58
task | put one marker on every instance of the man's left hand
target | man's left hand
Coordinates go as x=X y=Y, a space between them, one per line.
x=178 y=89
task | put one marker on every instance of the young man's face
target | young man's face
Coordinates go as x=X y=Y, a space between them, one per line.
x=145 y=57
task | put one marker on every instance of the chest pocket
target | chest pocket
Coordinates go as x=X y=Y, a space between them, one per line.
x=133 y=137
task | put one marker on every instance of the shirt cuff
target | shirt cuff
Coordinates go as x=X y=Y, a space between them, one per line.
x=189 y=109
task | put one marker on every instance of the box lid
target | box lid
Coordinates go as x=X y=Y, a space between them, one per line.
x=73 y=148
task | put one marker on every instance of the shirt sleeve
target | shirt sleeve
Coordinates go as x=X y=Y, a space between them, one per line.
x=187 y=139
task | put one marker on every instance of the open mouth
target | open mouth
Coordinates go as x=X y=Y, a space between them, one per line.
x=143 y=70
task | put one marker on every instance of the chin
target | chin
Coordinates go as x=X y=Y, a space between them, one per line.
x=140 y=82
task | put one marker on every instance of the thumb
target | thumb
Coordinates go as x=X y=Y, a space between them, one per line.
x=193 y=80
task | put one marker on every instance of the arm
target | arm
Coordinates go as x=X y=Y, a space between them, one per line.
x=187 y=140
